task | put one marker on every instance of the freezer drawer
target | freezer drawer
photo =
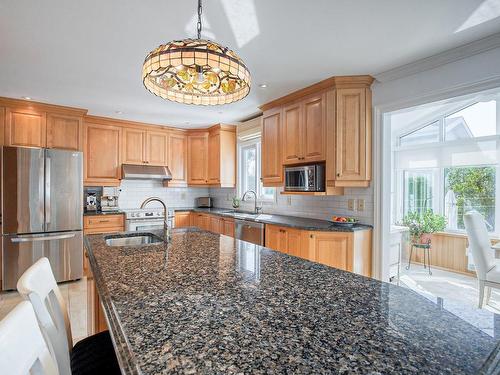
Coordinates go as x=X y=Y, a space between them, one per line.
x=63 y=249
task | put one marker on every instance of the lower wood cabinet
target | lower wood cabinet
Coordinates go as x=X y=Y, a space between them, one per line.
x=200 y=220
x=182 y=219
x=227 y=227
x=205 y=221
x=96 y=320
x=350 y=251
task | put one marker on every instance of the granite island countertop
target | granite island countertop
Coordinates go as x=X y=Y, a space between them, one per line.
x=211 y=304
x=297 y=222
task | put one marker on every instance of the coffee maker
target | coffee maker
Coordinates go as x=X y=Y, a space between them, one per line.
x=109 y=199
x=92 y=198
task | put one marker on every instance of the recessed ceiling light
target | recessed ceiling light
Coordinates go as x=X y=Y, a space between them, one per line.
x=118 y=112
x=26 y=97
x=263 y=85
x=187 y=123
x=220 y=112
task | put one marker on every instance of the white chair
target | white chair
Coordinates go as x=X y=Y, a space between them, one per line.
x=487 y=267
x=92 y=355
x=23 y=350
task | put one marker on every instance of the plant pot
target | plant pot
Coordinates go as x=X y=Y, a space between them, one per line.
x=425 y=238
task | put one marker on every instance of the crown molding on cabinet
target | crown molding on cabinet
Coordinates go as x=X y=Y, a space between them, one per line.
x=443 y=58
x=43 y=107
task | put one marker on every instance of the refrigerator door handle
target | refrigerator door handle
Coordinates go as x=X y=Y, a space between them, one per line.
x=42 y=238
x=47 y=192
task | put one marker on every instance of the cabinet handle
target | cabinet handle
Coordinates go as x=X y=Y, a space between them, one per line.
x=338 y=174
x=103 y=221
x=311 y=235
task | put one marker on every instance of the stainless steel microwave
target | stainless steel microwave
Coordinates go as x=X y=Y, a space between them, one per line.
x=305 y=178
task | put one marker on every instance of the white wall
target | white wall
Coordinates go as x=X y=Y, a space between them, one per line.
x=314 y=207
x=134 y=192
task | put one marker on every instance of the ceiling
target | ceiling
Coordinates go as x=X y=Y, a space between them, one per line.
x=89 y=54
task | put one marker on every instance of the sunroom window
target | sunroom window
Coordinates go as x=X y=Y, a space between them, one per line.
x=476 y=120
x=426 y=134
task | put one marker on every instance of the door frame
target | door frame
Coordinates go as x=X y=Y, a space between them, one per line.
x=382 y=161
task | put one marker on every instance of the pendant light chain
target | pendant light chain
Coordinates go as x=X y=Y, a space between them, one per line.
x=199 y=19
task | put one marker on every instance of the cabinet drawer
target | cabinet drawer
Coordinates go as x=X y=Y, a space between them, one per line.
x=103 y=221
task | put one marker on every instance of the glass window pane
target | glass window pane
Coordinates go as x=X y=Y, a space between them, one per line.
x=249 y=173
x=427 y=134
x=417 y=191
x=477 y=120
x=466 y=189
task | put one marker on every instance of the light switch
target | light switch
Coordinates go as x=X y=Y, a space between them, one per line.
x=361 y=204
x=350 y=204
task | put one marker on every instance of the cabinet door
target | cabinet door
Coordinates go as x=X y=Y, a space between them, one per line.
x=25 y=128
x=295 y=245
x=276 y=238
x=198 y=159
x=271 y=165
x=215 y=224
x=332 y=249
x=353 y=136
x=156 y=147
x=177 y=159
x=228 y=227
x=205 y=222
x=215 y=157
x=182 y=219
x=292 y=134
x=64 y=132
x=133 y=146
x=102 y=154
x=314 y=128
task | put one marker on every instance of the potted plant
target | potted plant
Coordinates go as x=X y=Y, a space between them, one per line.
x=423 y=224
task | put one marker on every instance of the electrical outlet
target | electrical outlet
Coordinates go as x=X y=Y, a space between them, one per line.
x=350 y=204
x=289 y=200
x=361 y=204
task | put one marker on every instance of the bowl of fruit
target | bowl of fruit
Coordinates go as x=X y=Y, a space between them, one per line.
x=344 y=221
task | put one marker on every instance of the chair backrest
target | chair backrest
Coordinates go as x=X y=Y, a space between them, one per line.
x=23 y=350
x=479 y=243
x=38 y=285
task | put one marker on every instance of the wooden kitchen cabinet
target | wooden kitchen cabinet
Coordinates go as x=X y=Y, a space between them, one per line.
x=102 y=145
x=304 y=131
x=222 y=156
x=177 y=159
x=64 y=132
x=198 y=158
x=93 y=224
x=200 y=220
x=96 y=320
x=182 y=219
x=350 y=251
x=216 y=224
x=271 y=148
x=144 y=146
x=227 y=227
x=353 y=137
x=25 y=127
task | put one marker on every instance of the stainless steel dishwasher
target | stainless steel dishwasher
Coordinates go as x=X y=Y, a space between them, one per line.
x=249 y=231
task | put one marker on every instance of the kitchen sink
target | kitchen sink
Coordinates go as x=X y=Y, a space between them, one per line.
x=132 y=240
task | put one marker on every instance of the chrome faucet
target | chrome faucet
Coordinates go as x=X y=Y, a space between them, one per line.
x=165 y=218
x=255 y=209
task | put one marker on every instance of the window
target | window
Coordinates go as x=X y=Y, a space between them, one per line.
x=249 y=171
x=427 y=134
x=417 y=187
x=476 y=120
x=469 y=188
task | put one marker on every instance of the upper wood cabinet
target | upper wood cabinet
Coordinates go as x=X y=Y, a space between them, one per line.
x=25 y=127
x=222 y=156
x=198 y=158
x=304 y=131
x=353 y=137
x=64 y=131
x=144 y=146
x=177 y=159
x=271 y=141
x=102 y=154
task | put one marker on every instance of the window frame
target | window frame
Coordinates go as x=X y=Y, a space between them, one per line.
x=242 y=144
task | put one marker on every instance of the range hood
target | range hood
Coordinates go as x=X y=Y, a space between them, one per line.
x=145 y=172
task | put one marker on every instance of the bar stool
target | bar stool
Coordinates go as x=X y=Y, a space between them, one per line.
x=92 y=355
x=23 y=349
x=427 y=248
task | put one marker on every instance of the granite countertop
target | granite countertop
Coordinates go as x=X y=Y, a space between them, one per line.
x=211 y=304
x=98 y=213
x=282 y=220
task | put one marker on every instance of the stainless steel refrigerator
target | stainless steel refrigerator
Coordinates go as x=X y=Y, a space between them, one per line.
x=41 y=198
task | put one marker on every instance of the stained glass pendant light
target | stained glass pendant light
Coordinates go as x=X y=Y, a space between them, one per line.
x=196 y=71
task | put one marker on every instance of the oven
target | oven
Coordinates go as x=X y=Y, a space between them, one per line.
x=147 y=219
x=305 y=178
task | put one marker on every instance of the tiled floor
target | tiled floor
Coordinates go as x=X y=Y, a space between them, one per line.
x=75 y=294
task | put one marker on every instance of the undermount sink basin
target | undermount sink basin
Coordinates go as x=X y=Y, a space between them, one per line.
x=244 y=215
x=132 y=240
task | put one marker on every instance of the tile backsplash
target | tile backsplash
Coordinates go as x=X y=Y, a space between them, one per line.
x=307 y=206
x=134 y=192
